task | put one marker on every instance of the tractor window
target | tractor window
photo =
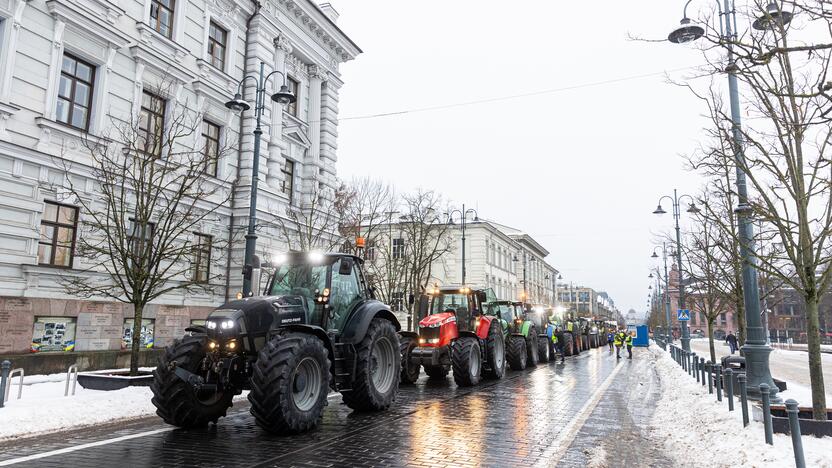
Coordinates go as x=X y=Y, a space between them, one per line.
x=345 y=294
x=457 y=303
x=303 y=280
x=505 y=313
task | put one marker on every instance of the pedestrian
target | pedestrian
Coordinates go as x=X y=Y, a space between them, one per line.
x=731 y=339
x=557 y=339
x=628 y=340
x=618 y=341
x=610 y=338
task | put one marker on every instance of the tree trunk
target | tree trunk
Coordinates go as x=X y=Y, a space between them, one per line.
x=711 y=339
x=815 y=367
x=135 y=343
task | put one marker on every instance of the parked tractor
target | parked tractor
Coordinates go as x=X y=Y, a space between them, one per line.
x=539 y=317
x=454 y=333
x=318 y=327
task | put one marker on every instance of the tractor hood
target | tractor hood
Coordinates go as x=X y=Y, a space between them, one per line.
x=437 y=320
x=255 y=315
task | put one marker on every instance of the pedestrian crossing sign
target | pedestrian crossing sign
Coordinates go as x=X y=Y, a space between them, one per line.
x=683 y=315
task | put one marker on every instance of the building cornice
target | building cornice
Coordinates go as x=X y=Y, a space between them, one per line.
x=309 y=17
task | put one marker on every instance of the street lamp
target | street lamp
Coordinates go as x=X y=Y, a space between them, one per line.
x=676 y=201
x=463 y=215
x=755 y=350
x=668 y=335
x=238 y=105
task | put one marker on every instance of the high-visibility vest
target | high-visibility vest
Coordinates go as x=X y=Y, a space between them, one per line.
x=629 y=340
x=569 y=326
x=618 y=339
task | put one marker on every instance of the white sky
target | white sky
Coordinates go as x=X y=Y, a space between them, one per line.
x=581 y=170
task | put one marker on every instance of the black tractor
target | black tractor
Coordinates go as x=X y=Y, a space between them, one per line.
x=317 y=327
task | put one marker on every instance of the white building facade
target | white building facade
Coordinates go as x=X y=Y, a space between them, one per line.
x=70 y=68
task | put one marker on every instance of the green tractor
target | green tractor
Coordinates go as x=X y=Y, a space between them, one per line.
x=318 y=327
x=520 y=333
x=539 y=316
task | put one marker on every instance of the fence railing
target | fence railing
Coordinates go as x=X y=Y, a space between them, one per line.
x=722 y=380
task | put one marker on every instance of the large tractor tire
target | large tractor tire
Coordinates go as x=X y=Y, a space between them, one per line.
x=467 y=361
x=543 y=348
x=289 y=383
x=176 y=401
x=495 y=352
x=410 y=370
x=516 y=353
x=437 y=372
x=377 y=369
x=531 y=347
x=568 y=344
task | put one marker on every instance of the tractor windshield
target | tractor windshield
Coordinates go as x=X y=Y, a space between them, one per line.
x=300 y=279
x=457 y=303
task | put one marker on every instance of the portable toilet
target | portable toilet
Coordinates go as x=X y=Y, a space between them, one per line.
x=641 y=338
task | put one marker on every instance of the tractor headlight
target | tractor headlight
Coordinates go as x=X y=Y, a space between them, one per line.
x=212 y=345
x=231 y=345
x=433 y=341
x=211 y=325
x=421 y=341
x=227 y=324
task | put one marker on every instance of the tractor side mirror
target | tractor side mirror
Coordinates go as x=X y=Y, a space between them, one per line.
x=345 y=269
x=481 y=297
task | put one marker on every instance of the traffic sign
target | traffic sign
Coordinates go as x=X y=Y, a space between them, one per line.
x=683 y=315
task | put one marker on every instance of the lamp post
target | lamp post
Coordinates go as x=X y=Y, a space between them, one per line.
x=676 y=200
x=668 y=332
x=463 y=215
x=755 y=349
x=283 y=96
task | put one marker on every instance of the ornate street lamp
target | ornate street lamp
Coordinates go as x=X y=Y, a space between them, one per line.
x=238 y=105
x=463 y=215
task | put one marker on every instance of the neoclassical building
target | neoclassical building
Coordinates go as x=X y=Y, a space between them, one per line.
x=69 y=68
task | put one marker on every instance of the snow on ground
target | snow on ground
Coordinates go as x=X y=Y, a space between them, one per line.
x=43 y=407
x=696 y=430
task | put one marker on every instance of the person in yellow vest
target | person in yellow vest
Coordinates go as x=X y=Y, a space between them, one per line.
x=618 y=341
x=629 y=342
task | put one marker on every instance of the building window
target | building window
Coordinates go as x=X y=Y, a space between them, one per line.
x=398 y=302
x=202 y=258
x=140 y=239
x=211 y=150
x=75 y=92
x=217 y=38
x=398 y=248
x=57 y=235
x=151 y=123
x=294 y=87
x=289 y=179
x=370 y=251
x=161 y=16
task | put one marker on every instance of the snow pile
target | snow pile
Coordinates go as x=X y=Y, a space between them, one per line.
x=43 y=407
x=696 y=430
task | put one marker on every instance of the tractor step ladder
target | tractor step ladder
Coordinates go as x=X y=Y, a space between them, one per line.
x=344 y=366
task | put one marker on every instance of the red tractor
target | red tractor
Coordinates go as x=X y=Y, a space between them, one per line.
x=455 y=333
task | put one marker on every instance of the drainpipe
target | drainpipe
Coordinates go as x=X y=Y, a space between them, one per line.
x=256 y=12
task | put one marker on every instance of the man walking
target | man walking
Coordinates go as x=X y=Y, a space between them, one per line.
x=610 y=338
x=731 y=339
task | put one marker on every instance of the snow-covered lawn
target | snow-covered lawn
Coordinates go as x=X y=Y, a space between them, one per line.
x=696 y=430
x=44 y=408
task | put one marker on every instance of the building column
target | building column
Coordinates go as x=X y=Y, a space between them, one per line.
x=277 y=146
x=313 y=156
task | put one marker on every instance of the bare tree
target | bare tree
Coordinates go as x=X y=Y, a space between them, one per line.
x=788 y=100
x=366 y=209
x=314 y=225
x=150 y=199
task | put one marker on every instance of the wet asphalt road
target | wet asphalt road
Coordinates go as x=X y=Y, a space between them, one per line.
x=589 y=411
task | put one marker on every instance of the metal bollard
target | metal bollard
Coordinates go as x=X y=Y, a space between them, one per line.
x=743 y=398
x=20 y=373
x=685 y=360
x=702 y=369
x=710 y=367
x=4 y=381
x=794 y=428
x=729 y=387
x=693 y=370
x=718 y=382
x=767 y=413
x=71 y=371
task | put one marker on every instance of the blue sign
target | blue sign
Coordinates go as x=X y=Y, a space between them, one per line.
x=683 y=315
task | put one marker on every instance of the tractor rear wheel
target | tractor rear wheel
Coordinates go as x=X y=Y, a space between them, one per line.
x=516 y=353
x=410 y=370
x=176 y=401
x=568 y=344
x=439 y=372
x=289 y=383
x=543 y=348
x=495 y=352
x=467 y=361
x=377 y=369
x=531 y=347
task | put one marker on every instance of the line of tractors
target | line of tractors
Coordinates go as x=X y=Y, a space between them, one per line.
x=318 y=327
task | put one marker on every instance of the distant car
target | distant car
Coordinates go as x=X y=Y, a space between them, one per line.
x=697 y=334
x=719 y=334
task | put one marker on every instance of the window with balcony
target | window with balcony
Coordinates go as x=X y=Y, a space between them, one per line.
x=75 y=92
x=217 y=42
x=161 y=16
x=57 y=235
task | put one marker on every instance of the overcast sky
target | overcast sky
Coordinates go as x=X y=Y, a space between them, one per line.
x=580 y=168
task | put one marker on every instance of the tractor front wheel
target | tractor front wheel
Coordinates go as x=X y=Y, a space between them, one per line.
x=377 y=369
x=467 y=362
x=517 y=353
x=568 y=344
x=176 y=401
x=410 y=370
x=495 y=352
x=531 y=347
x=289 y=383
x=543 y=348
